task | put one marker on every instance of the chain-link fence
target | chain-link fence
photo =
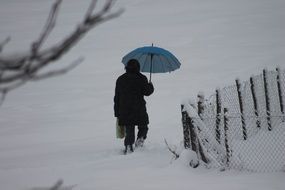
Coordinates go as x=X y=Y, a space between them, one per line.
x=240 y=126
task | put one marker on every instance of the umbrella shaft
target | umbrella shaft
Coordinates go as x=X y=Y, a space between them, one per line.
x=151 y=56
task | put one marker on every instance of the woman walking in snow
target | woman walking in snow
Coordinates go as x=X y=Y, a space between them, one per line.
x=130 y=106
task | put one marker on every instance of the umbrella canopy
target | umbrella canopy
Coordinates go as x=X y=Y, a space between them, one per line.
x=153 y=59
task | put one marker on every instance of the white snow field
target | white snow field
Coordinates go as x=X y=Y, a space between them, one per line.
x=64 y=127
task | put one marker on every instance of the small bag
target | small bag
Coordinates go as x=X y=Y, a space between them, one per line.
x=120 y=130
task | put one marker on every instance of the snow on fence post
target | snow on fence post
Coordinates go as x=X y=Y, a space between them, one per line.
x=267 y=101
x=254 y=102
x=186 y=128
x=190 y=130
x=280 y=92
x=226 y=128
x=218 y=115
x=240 y=98
x=190 y=136
x=201 y=104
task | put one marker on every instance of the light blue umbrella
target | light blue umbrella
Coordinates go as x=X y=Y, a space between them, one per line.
x=153 y=60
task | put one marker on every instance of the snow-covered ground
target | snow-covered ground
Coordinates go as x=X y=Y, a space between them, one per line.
x=64 y=127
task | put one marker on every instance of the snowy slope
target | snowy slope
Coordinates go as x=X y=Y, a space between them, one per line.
x=64 y=127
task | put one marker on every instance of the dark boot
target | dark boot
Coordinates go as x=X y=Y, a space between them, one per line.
x=139 y=142
x=128 y=149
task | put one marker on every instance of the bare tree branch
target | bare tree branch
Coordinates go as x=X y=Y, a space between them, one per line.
x=59 y=71
x=57 y=186
x=50 y=24
x=90 y=9
x=17 y=70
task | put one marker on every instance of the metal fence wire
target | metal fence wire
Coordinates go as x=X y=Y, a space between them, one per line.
x=241 y=126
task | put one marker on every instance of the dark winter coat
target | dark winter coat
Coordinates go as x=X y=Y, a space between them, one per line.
x=129 y=103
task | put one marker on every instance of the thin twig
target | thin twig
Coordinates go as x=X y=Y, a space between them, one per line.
x=57 y=185
x=90 y=10
x=6 y=89
x=59 y=71
x=2 y=44
x=50 y=24
x=3 y=96
x=176 y=156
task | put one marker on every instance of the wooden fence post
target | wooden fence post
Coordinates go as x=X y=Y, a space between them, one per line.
x=226 y=128
x=186 y=128
x=195 y=142
x=280 y=95
x=254 y=102
x=191 y=140
x=267 y=100
x=193 y=135
x=240 y=98
x=201 y=105
x=218 y=116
